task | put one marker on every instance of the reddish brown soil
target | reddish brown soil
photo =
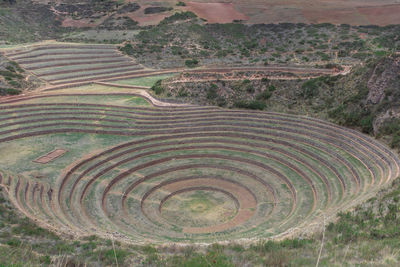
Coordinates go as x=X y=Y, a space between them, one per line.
x=382 y=15
x=216 y=12
x=336 y=16
x=50 y=156
x=353 y=12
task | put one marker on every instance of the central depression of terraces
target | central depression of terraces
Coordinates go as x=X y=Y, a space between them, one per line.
x=193 y=173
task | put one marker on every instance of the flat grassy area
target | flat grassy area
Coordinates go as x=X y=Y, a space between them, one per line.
x=124 y=100
x=144 y=81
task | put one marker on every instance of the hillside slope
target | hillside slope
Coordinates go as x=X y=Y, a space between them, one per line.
x=367 y=98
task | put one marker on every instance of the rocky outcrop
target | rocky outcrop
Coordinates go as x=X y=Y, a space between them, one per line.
x=383 y=74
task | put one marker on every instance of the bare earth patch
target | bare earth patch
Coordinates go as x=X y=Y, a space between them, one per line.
x=382 y=15
x=50 y=156
x=216 y=12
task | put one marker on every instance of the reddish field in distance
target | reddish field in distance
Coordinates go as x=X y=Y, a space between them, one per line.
x=382 y=15
x=353 y=12
x=216 y=12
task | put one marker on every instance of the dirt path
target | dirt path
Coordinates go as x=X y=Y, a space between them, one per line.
x=313 y=72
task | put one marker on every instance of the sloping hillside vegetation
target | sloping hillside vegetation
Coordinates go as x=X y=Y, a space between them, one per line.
x=13 y=79
x=367 y=98
x=370 y=99
x=185 y=37
x=25 y=21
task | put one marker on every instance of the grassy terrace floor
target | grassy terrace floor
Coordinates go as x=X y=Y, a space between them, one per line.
x=145 y=81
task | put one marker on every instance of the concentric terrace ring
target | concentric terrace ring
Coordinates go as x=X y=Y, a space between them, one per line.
x=195 y=174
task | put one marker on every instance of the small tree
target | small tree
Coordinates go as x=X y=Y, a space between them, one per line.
x=191 y=63
x=157 y=88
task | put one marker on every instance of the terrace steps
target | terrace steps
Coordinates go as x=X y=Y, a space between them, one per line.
x=79 y=61
x=295 y=166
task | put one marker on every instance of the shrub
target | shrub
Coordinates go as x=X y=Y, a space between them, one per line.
x=89 y=246
x=264 y=95
x=255 y=104
x=250 y=89
x=9 y=91
x=310 y=88
x=63 y=248
x=333 y=66
x=221 y=101
x=182 y=93
x=16 y=65
x=212 y=91
x=15 y=84
x=366 y=124
x=156 y=9
x=191 y=63
x=178 y=16
x=391 y=127
x=380 y=53
x=14 y=242
x=158 y=88
x=45 y=259
x=109 y=257
x=395 y=143
x=10 y=68
x=180 y=3
x=127 y=49
x=10 y=75
x=178 y=50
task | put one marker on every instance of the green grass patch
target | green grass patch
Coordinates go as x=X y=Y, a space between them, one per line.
x=144 y=81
